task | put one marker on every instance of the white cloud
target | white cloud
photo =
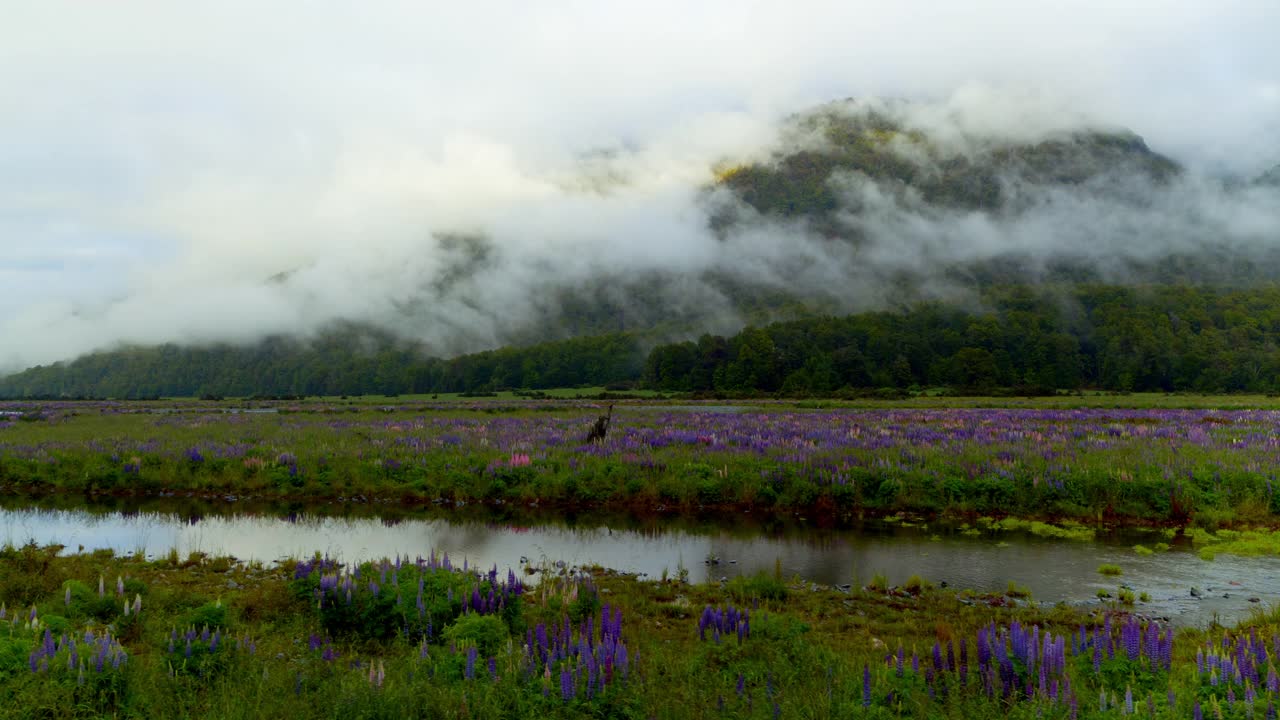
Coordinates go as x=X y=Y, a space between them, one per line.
x=232 y=141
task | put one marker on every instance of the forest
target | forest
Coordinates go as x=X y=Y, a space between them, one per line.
x=1012 y=337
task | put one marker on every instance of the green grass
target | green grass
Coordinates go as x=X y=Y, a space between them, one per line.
x=1034 y=473
x=281 y=654
x=1110 y=569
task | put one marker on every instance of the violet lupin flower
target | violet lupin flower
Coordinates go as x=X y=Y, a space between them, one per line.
x=471 y=663
x=566 y=685
x=866 y=685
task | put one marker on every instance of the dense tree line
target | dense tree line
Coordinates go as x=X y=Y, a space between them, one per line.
x=346 y=361
x=1144 y=338
x=1161 y=338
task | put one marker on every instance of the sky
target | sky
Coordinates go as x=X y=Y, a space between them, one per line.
x=160 y=161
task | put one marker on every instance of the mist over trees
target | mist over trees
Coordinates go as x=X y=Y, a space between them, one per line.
x=1151 y=338
x=867 y=244
x=1124 y=338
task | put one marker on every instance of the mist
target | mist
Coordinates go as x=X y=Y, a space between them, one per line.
x=218 y=174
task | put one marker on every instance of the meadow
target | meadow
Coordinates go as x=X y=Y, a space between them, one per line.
x=99 y=635
x=1174 y=467
x=105 y=635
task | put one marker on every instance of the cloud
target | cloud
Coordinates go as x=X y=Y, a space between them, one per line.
x=196 y=151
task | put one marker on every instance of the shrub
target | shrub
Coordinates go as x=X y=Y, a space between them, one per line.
x=759 y=586
x=486 y=632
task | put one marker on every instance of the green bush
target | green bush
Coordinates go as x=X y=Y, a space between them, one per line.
x=486 y=632
x=762 y=586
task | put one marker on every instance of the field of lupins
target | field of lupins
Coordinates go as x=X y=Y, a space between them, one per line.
x=1174 y=467
x=93 y=635
x=96 y=635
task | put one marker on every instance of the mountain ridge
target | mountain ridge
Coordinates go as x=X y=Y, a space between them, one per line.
x=854 y=208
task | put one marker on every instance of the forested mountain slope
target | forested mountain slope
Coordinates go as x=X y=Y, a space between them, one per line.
x=914 y=250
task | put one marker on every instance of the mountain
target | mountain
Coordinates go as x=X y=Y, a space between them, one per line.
x=982 y=173
x=855 y=207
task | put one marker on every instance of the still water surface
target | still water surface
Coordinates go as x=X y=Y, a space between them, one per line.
x=1054 y=570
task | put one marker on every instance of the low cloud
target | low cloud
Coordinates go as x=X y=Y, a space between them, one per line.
x=171 y=173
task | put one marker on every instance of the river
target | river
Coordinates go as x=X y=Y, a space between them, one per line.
x=1054 y=570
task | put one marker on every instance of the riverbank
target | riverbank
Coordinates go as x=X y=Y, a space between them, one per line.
x=1161 y=576
x=97 y=634
x=1111 y=467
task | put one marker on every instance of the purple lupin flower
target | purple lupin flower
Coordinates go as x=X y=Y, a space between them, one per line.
x=471 y=663
x=866 y=685
x=566 y=685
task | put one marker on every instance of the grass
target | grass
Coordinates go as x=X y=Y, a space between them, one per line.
x=1050 y=472
x=1110 y=569
x=268 y=648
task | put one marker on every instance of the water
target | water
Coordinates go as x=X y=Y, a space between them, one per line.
x=1054 y=570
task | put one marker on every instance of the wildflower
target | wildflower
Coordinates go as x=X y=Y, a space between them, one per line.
x=866 y=686
x=566 y=685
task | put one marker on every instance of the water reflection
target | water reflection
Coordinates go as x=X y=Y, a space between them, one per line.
x=1053 y=570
